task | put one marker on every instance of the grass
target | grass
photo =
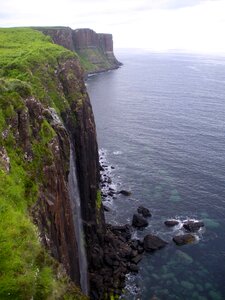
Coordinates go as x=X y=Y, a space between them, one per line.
x=28 y=60
x=93 y=60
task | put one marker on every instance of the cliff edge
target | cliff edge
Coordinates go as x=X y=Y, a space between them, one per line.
x=95 y=50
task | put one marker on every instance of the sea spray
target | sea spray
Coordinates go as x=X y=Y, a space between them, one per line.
x=78 y=226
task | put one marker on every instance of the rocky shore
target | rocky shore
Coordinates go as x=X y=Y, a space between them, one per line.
x=120 y=253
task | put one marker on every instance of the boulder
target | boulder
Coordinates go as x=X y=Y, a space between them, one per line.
x=125 y=193
x=139 y=221
x=184 y=239
x=134 y=268
x=153 y=242
x=106 y=208
x=171 y=223
x=136 y=259
x=144 y=211
x=193 y=226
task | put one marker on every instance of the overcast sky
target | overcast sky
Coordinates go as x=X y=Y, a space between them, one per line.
x=190 y=25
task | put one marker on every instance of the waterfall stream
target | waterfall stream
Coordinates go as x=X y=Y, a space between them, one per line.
x=75 y=203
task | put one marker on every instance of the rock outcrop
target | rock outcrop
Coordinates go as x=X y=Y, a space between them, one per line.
x=95 y=50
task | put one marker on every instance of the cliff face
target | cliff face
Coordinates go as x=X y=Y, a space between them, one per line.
x=49 y=175
x=95 y=50
x=44 y=110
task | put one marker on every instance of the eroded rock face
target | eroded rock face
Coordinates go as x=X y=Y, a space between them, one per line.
x=60 y=35
x=52 y=212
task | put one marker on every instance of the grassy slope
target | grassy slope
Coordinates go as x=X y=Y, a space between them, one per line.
x=92 y=60
x=27 y=60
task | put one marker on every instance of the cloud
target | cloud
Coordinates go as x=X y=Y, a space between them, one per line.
x=155 y=24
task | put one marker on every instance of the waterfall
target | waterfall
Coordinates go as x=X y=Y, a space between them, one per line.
x=78 y=226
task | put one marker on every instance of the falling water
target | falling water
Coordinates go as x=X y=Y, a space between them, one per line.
x=75 y=203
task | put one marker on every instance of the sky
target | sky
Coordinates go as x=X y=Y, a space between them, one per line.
x=157 y=25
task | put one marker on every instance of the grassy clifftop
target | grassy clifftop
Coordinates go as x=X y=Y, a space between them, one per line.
x=28 y=61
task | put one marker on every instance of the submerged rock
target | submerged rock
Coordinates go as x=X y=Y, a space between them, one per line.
x=153 y=242
x=193 y=226
x=145 y=212
x=171 y=223
x=184 y=239
x=139 y=221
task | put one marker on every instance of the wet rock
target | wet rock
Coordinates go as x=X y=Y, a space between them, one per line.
x=122 y=231
x=134 y=268
x=193 y=226
x=125 y=193
x=139 y=221
x=106 y=208
x=134 y=244
x=184 y=239
x=153 y=242
x=145 y=212
x=137 y=259
x=109 y=180
x=171 y=223
x=110 y=193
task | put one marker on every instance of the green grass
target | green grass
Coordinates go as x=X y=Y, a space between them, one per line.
x=93 y=60
x=28 y=60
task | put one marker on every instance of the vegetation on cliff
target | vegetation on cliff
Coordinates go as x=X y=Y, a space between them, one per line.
x=28 y=75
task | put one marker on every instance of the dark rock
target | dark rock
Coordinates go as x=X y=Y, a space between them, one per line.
x=144 y=211
x=124 y=231
x=106 y=208
x=140 y=249
x=139 y=221
x=134 y=244
x=152 y=242
x=110 y=193
x=134 y=268
x=125 y=193
x=184 y=239
x=134 y=253
x=137 y=258
x=171 y=223
x=193 y=226
x=108 y=260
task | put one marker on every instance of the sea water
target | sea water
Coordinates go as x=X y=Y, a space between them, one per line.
x=161 y=124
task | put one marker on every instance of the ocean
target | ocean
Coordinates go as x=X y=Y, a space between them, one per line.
x=161 y=131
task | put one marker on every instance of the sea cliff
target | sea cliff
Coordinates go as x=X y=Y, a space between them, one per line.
x=45 y=112
x=53 y=238
x=95 y=50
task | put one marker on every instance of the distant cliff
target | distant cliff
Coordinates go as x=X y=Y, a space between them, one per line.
x=95 y=50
